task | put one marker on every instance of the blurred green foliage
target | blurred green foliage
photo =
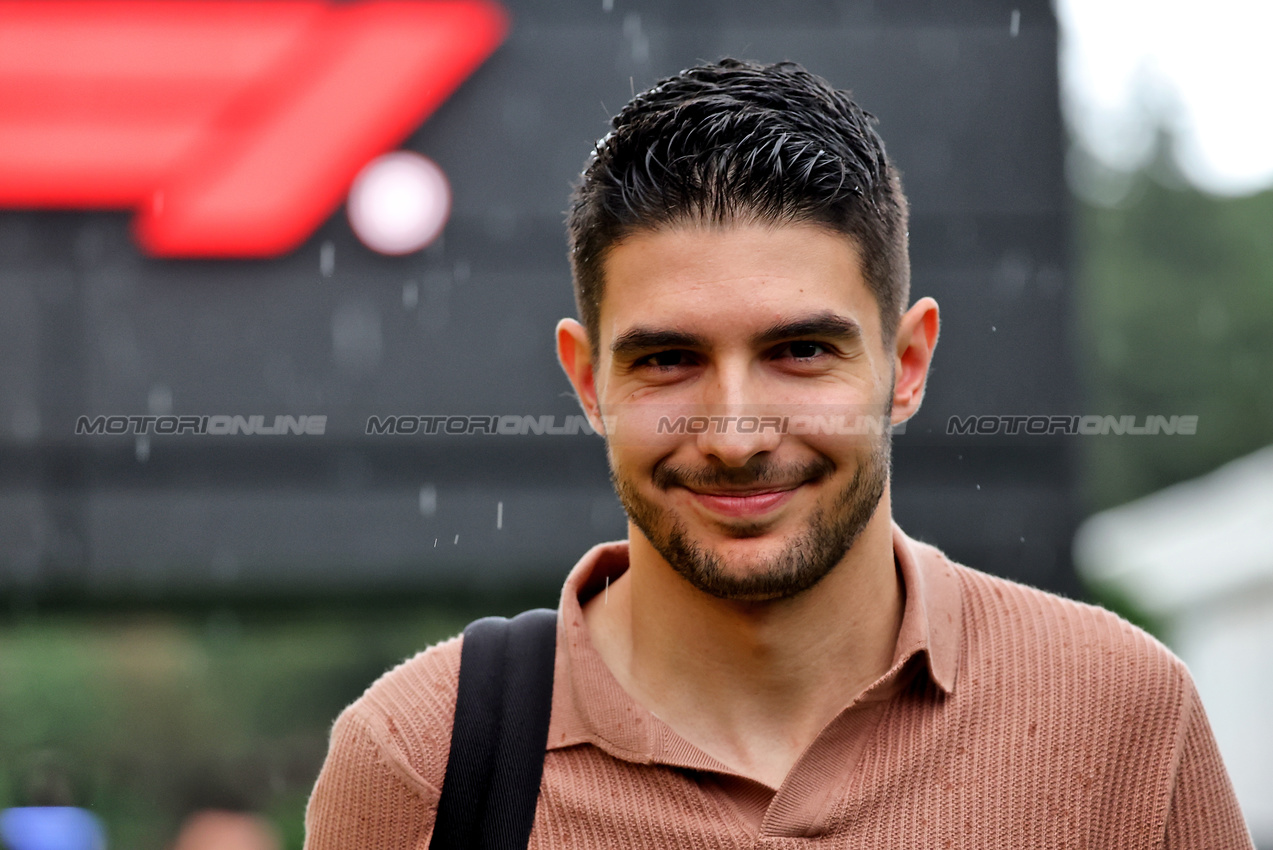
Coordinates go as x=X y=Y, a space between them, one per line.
x=1174 y=294
x=144 y=717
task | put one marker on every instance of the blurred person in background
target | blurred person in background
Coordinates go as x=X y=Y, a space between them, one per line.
x=49 y=818
x=769 y=656
x=214 y=829
x=221 y=817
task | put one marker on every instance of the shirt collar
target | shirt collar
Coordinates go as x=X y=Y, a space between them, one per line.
x=932 y=622
x=590 y=706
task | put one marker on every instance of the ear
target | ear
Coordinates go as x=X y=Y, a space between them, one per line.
x=916 y=339
x=575 y=355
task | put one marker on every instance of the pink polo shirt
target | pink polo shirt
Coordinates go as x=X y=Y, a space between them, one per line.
x=1010 y=718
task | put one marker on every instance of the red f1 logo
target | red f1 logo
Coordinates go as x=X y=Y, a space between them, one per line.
x=234 y=129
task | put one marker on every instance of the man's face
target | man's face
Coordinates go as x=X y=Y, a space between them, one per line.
x=759 y=323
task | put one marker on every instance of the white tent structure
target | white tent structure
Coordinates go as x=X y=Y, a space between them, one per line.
x=1198 y=556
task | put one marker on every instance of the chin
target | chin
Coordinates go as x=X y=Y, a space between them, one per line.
x=745 y=549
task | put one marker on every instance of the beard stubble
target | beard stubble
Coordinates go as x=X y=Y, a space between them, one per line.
x=830 y=531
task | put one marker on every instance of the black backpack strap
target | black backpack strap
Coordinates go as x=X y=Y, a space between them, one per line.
x=500 y=733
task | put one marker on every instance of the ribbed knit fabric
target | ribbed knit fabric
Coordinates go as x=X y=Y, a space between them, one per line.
x=1011 y=718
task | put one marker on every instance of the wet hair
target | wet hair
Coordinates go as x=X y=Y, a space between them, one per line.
x=739 y=142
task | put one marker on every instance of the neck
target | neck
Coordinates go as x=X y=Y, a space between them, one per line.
x=752 y=683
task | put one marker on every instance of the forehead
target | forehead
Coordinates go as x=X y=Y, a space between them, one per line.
x=726 y=281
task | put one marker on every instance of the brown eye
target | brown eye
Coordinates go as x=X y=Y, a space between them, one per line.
x=665 y=360
x=805 y=349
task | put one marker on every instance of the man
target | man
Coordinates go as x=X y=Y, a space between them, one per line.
x=768 y=660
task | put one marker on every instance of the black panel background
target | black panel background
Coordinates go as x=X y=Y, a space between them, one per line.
x=90 y=326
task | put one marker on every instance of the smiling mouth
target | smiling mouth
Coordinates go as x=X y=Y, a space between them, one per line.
x=744 y=503
x=755 y=491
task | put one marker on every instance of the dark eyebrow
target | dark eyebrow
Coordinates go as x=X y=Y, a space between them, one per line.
x=827 y=325
x=635 y=340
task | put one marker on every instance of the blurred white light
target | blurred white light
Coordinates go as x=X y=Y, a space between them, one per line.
x=1200 y=71
x=399 y=203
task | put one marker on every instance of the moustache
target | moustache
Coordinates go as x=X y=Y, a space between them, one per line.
x=763 y=474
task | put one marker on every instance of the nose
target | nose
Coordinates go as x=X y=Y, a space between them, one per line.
x=742 y=421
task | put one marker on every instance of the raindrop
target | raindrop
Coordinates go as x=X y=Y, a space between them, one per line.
x=1013 y=273
x=638 y=41
x=1014 y=27
x=978 y=486
x=499 y=515
x=607 y=5
x=159 y=400
x=993 y=329
x=428 y=501
x=410 y=294
x=141 y=448
x=357 y=341
x=457 y=540
x=327 y=258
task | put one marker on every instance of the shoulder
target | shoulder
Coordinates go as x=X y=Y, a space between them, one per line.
x=1054 y=643
x=1081 y=705
x=382 y=778
x=1027 y=614
x=408 y=712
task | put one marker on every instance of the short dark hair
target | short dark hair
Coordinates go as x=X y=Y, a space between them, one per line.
x=738 y=141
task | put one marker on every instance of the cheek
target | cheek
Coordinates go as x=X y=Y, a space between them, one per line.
x=838 y=429
x=642 y=432
x=851 y=390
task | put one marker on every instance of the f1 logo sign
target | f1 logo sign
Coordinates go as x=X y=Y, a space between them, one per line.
x=233 y=129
